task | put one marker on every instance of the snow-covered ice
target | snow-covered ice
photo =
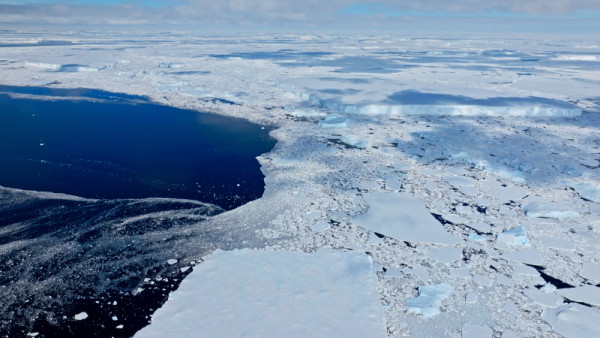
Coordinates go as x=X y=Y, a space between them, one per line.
x=574 y=320
x=403 y=217
x=274 y=294
x=429 y=300
x=516 y=236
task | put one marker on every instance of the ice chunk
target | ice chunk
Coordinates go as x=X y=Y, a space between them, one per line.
x=172 y=261
x=531 y=256
x=355 y=142
x=170 y=65
x=586 y=294
x=445 y=255
x=403 y=217
x=588 y=190
x=574 y=320
x=274 y=294
x=470 y=330
x=549 y=210
x=591 y=271
x=543 y=298
x=476 y=238
x=334 y=121
x=429 y=300
x=516 y=236
x=81 y=316
x=557 y=243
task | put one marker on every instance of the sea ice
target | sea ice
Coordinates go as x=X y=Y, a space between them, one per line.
x=334 y=121
x=403 y=217
x=591 y=271
x=516 y=236
x=274 y=294
x=588 y=190
x=470 y=330
x=549 y=210
x=429 y=300
x=81 y=316
x=355 y=142
x=445 y=255
x=574 y=320
x=586 y=294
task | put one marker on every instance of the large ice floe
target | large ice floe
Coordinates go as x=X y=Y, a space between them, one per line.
x=419 y=187
x=274 y=294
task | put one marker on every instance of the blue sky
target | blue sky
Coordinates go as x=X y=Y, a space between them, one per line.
x=565 y=16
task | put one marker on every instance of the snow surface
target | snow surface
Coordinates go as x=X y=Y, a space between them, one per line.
x=472 y=130
x=253 y=293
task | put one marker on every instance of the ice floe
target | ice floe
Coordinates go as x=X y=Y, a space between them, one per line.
x=574 y=320
x=274 y=293
x=429 y=300
x=402 y=217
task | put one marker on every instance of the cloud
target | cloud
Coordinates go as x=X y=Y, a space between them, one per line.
x=349 y=14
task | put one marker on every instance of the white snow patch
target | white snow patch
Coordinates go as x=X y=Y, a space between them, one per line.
x=274 y=294
x=429 y=300
x=403 y=217
x=574 y=320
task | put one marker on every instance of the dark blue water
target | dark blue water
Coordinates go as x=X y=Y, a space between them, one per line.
x=113 y=150
x=108 y=256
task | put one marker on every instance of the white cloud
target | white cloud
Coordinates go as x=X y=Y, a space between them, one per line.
x=284 y=13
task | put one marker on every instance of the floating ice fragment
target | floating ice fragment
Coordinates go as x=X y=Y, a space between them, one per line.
x=429 y=300
x=403 y=217
x=274 y=294
x=476 y=238
x=588 y=190
x=591 y=271
x=574 y=320
x=549 y=210
x=334 y=121
x=470 y=330
x=81 y=316
x=530 y=256
x=586 y=294
x=543 y=298
x=445 y=255
x=172 y=261
x=355 y=142
x=516 y=236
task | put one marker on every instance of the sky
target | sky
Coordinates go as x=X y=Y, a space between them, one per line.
x=539 y=16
